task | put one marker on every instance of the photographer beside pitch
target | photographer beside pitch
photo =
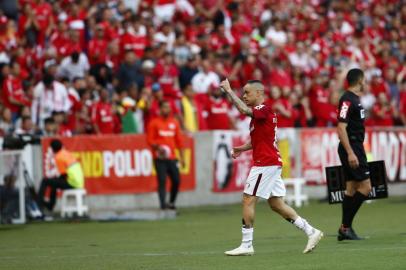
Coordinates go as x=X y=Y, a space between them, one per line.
x=351 y=132
x=264 y=179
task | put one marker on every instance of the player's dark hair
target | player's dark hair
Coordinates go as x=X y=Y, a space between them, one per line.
x=56 y=145
x=354 y=75
x=254 y=81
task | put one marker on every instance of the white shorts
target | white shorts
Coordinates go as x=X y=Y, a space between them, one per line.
x=265 y=182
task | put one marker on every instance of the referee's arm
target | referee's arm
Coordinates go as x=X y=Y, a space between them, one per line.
x=343 y=136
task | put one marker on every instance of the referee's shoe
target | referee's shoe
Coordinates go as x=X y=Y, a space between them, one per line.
x=347 y=234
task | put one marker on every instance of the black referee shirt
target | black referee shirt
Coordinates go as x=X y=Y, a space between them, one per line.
x=350 y=111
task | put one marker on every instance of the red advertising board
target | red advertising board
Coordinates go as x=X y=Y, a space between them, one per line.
x=319 y=150
x=118 y=164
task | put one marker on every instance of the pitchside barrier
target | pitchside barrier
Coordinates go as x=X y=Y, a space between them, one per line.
x=118 y=166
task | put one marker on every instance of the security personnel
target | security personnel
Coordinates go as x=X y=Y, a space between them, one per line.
x=164 y=136
x=70 y=171
x=351 y=132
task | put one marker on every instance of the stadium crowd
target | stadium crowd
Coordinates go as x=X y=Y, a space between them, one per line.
x=103 y=66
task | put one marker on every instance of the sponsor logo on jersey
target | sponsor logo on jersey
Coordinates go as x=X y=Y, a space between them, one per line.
x=344 y=109
x=259 y=107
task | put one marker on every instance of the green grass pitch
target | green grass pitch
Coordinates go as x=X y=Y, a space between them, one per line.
x=199 y=236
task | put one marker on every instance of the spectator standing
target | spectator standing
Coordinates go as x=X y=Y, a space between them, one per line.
x=14 y=96
x=49 y=96
x=167 y=74
x=218 y=111
x=129 y=72
x=97 y=49
x=188 y=71
x=202 y=81
x=75 y=65
x=383 y=112
x=103 y=116
x=192 y=111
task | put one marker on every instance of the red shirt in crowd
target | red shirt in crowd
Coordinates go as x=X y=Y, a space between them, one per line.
x=129 y=41
x=97 y=51
x=263 y=138
x=379 y=86
x=63 y=44
x=12 y=88
x=77 y=22
x=103 y=117
x=383 y=121
x=166 y=75
x=284 y=121
x=322 y=110
x=43 y=14
x=153 y=111
x=218 y=113
x=64 y=131
x=76 y=106
x=280 y=78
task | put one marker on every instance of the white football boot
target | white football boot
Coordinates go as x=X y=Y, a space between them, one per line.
x=241 y=251
x=313 y=240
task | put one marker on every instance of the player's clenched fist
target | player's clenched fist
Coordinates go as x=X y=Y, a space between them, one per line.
x=235 y=152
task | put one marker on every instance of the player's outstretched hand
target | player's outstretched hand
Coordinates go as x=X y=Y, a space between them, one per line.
x=353 y=161
x=235 y=153
x=225 y=85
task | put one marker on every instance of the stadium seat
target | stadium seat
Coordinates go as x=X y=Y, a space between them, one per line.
x=297 y=196
x=79 y=207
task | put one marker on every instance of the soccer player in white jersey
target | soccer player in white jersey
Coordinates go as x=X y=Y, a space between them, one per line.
x=264 y=179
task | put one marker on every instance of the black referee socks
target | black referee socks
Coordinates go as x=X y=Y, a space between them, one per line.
x=351 y=205
x=347 y=209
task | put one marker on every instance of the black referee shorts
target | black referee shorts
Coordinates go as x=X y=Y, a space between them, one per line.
x=362 y=172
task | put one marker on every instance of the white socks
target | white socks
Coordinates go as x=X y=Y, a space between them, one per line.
x=303 y=225
x=247 y=237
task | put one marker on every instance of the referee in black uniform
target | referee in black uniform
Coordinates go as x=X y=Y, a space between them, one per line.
x=351 y=132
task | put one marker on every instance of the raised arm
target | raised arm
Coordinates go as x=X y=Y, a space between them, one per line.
x=241 y=106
